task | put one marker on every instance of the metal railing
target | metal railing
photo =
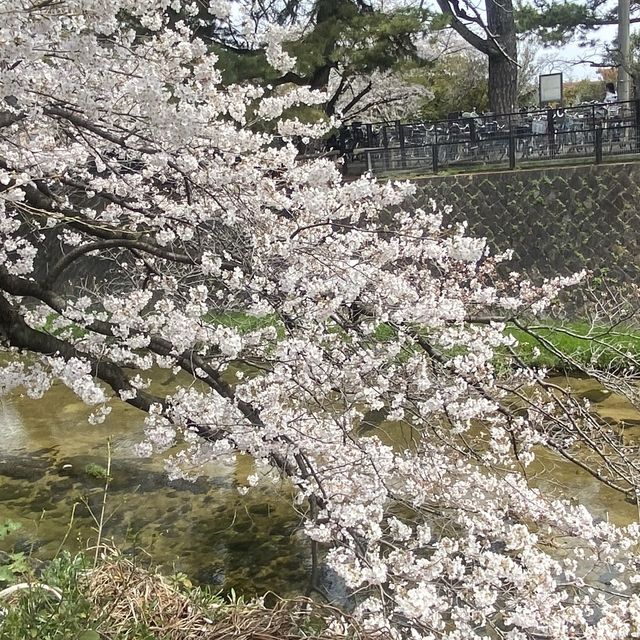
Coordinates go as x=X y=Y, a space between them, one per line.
x=593 y=131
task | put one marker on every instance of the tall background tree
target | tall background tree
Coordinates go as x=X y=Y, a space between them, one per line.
x=338 y=44
x=493 y=33
x=558 y=23
x=459 y=80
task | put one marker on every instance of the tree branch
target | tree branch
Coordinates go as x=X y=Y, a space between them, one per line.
x=482 y=44
x=21 y=336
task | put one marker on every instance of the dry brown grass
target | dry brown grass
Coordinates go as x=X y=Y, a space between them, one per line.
x=127 y=598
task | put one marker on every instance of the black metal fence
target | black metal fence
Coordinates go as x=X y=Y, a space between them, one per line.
x=468 y=140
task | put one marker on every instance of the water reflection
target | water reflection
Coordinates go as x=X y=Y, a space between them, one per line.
x=205 y=529
x=550 y=472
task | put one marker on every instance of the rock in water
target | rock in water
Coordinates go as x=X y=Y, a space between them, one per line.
x=595 y=395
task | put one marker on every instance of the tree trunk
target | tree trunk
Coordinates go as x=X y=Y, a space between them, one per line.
x=503 y=68
x=503 y=76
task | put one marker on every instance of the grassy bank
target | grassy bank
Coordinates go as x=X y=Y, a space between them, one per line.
x=569 y=346
x=75 y=598
x=564 y=347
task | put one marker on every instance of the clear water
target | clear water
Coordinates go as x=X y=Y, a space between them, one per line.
x=205 y=529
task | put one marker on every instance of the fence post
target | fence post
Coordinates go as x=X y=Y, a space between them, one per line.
x=434 y=157
x=403 y=154
x=512 y=149
x=369 y=165
x=551 y=132
x=598 y=144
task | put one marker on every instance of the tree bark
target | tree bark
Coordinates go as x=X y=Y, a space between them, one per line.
x=503 y=68
x=503 y=81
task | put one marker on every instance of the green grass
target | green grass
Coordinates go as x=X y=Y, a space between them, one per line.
x=35 y=613
x=584 y=344
x=581 y=343
x=565 y=347
x=239 y=320
x=71 y=329
x=560 y=347
x=242 y=322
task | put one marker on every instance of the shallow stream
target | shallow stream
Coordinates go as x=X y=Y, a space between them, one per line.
x=205 y=529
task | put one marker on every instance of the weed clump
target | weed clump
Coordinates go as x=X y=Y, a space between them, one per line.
x=117 y=599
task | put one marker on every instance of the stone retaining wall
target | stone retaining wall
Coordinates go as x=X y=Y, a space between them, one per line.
x=557 y=220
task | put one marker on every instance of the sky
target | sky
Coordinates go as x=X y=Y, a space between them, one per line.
x=565 y=58
x=568 y=59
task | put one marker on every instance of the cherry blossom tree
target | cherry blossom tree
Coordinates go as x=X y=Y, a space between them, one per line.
x=382 y=97
x=142 y=202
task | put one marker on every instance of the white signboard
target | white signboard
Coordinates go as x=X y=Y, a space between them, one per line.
x=550 y=87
